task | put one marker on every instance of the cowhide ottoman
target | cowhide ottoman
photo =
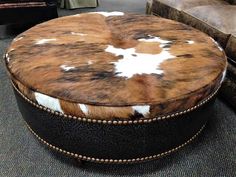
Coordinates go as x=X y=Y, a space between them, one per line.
x=114 y=87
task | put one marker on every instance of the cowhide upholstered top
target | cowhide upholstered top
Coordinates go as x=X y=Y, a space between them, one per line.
x=107 y=65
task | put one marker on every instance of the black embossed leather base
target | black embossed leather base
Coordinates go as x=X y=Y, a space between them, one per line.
x=109 y=141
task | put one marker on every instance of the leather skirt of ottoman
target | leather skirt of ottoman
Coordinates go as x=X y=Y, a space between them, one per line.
x=118 y=142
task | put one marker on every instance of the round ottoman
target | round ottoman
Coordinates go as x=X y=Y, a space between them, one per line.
x=110 y=87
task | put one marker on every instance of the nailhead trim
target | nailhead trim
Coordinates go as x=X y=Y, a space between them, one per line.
x=114 y=122
x=114 y=161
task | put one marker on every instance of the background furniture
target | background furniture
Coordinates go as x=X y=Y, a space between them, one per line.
x=27 y=11
x=216 y=18
x=73 y=4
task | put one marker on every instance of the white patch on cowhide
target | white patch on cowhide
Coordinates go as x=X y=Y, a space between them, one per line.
x=7 y=54
x=155 y=39
x=67 y=68
x=190 y=42
x=107 y=14
x=144 y=110
x=17 y=39
x=47 y=101
x=7 y=57
x=90 y=62
x=44 y=41
x=84 y=108
x=217 y=44
x=223 y=76
x=134 y=63
x=78 y=34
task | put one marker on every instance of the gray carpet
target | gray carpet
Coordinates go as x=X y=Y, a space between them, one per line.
x=21 y=155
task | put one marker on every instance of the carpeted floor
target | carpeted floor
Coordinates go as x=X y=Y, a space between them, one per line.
x=21 y=155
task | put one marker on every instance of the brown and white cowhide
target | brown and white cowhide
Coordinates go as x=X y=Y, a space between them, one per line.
x=111 y=65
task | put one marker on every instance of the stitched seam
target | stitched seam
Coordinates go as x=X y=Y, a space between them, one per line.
x=114 y=161
x=116 y=122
